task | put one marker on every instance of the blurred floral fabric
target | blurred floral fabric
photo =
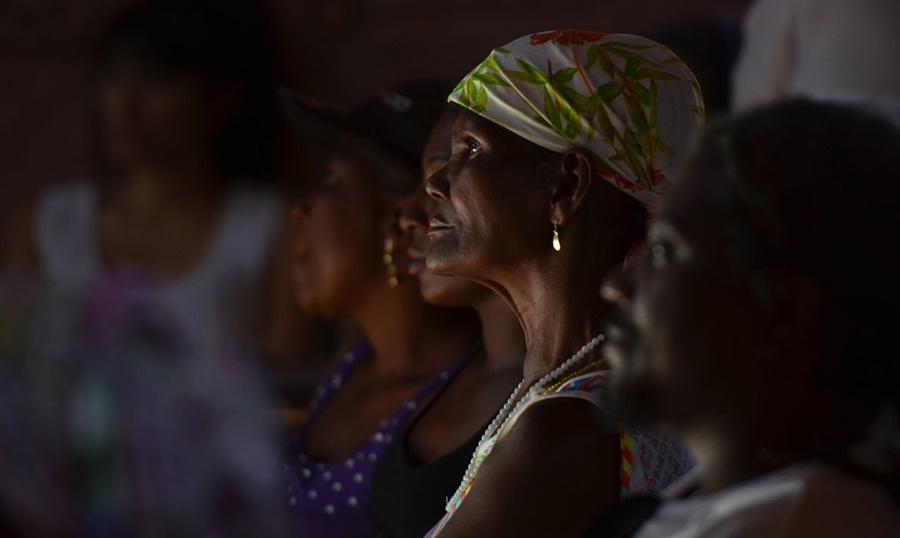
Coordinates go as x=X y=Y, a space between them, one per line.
x=109 y=426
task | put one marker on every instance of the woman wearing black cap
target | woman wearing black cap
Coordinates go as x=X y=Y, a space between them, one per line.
x=350 y=263
x=426 y=459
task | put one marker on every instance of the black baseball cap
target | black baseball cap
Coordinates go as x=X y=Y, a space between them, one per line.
x=396 y=120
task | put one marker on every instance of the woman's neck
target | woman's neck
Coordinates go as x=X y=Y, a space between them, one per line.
x=504 y=341
x=411 y=338
x=733 y=449
x=725 y=455
x=559 y=308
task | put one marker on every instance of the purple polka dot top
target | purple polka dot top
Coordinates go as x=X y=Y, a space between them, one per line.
x=332 y=499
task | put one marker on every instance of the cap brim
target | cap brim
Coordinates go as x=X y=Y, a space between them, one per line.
x=312 y=119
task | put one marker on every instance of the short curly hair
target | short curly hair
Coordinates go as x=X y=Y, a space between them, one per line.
x=812 y=188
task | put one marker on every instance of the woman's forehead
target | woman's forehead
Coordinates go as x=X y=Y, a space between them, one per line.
x=697 y=204
x=700 y=182
x=439 y=141
x=466 y=120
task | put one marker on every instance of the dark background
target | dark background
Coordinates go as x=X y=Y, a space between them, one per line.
x=335 y=49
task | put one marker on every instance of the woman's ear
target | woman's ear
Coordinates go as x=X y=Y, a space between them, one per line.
x=390 y=222
x=571 y=187
x=395 y=242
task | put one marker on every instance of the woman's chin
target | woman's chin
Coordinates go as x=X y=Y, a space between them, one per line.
x=446 y=290
x=443 y=257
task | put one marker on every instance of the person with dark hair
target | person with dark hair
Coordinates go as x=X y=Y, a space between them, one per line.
x=422 y=466
x=350 y=263
x=561 y=143
x=180 y=84
x=758 y=325
x=223 y=47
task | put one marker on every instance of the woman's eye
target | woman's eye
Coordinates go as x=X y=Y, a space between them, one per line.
x=472 y=146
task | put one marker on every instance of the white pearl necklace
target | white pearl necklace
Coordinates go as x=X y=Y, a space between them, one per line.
x=496 y=425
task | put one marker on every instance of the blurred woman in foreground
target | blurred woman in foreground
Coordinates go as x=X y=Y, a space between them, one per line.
x=758 y=325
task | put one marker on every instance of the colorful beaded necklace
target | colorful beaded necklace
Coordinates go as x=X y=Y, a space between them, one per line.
x=490 y=436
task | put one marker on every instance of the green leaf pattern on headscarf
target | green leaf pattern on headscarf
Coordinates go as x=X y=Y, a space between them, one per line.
x=627 y=101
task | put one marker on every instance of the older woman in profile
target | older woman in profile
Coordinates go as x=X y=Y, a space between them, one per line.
x=758 y=326
x=561 y=144
x=423 y=465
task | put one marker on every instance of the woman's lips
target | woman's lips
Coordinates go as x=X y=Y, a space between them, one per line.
x=417 y=251
x=620 y=337
x=437 y=225
x=416 y=267
x=438 y=222
x=416 y=259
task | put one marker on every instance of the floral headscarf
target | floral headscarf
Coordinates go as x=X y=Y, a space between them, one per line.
x=628 y=101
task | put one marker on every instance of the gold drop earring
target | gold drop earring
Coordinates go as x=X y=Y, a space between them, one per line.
x=557 y=246
x=388 y=260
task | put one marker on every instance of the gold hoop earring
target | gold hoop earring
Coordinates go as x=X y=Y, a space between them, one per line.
x=557 y=246
x=388 y=260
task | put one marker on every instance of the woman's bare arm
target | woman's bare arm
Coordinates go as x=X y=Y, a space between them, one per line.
x=550 y=476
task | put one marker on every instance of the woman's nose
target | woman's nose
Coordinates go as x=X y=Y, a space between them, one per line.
x=618 y=286
x=438 y=185
x=416 y=211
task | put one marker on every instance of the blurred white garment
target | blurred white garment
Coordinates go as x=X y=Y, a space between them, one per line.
x=797 y=501
x=839 y=50
x=218 y=303
x=111 y=426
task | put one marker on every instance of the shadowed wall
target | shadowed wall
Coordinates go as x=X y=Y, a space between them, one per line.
x=336 y=49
